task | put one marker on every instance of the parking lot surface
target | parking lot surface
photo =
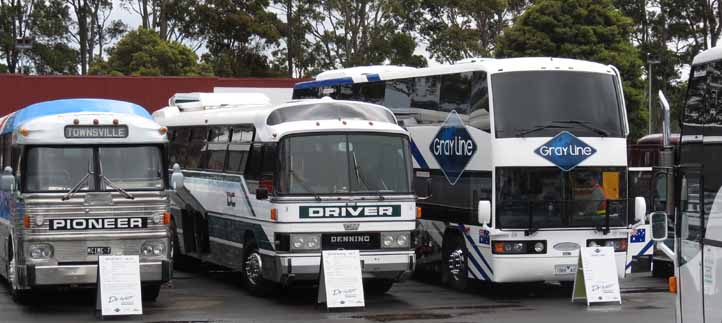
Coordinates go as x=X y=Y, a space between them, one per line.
x=216 y=296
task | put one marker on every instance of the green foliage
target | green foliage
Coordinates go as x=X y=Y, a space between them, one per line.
x=143 y=52
x=57 y=58
x=581 y=29
x=3 y=68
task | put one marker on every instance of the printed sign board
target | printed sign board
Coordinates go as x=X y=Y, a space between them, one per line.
x=453 y=147
x=96 y=132
x=349 y=211
x=597 y=280
x=119 y=284
x=565 y=150
x=341 y=284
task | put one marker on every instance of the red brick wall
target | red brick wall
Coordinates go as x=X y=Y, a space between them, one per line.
x=18 y=91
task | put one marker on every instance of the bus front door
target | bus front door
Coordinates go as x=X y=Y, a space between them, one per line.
x=690 y=250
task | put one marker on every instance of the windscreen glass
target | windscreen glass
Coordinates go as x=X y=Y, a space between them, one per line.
x=345 y=164
x=131 y=168
x=58 y=169
x=543 y=103
x=545 y=197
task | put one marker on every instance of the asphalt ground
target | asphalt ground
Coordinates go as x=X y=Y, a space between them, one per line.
x=214 y=295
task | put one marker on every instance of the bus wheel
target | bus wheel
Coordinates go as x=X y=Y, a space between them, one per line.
x=377 y=286
x=454 y=263
x=252 y=273
x=149 y=293
x=19 y=296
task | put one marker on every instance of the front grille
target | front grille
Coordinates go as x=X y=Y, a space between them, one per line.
x=351 y=241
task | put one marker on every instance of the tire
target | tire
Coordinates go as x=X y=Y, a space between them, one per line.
x=454 y=271
x=377 y=287
x=150 y=293
x=252 y=273
x=19 y=296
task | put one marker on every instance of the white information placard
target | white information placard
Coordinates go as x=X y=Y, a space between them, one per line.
x=341 y=281
x=597 y=280
x=119 y=284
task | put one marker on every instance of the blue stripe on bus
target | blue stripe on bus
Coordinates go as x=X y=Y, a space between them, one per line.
x=473 y=245
x=641 y=252
x=373 y=77
x=323 y=83
x=478 y=267
x=417 y=156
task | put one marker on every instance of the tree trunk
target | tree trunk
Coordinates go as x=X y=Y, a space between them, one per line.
x=82 y=14
x=163 y=20
x=290 y=45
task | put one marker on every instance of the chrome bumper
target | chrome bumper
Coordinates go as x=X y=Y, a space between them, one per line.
x=286 y=268
x=84 y=274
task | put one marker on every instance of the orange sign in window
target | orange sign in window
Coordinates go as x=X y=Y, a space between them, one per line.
x=610 y=183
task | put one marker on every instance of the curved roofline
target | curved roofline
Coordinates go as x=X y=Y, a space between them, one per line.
x=63 y=106
x=710 y=55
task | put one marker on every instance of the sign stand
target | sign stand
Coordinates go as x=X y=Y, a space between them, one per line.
x=118 y=290
x=340 y=284
x=596 y=280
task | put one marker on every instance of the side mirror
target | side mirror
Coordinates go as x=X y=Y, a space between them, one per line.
x=261 y=193
x=428 y=191
x=640 y=209
x=659 y=225
x=177 y=180
x=484 y=212
x=7 y=180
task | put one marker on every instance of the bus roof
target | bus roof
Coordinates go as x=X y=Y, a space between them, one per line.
x=362 y=75
x=710 y=55
x=54 y=107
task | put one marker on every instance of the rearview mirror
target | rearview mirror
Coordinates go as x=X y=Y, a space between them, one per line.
x=177 y=180
x=7 y=180
x=484 y=212
x=659 y=225
x=640 y=209
x=428 y=191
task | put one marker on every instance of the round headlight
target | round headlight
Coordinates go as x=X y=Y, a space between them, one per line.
x=156 y=218
x=312 y=243
x=388 y=241
x=402 y=240
x=39 y=220
x=539 y=247
x=147 y=250
x=35 y=253
x=518 y=246
x=298 y=243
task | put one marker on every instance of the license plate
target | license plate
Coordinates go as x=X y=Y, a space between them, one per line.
x=97 y=251
x=565 y=269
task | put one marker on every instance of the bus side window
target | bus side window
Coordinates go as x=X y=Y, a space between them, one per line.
x=178 y=148
x=455 y=93
x=426 y=96
x=372 y=92
x=216 y=148
x=239 y=149
x=344 y=92
x=195 y=148
x=255 y=161
x=479 y=110
x=397 y=94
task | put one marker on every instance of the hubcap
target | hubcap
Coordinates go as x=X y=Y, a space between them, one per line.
x=456 y=263
x=12 y=274
x=253 y=267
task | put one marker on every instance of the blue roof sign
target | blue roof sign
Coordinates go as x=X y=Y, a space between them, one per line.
x=453 y=147
x=565 y=150
x=47 y=108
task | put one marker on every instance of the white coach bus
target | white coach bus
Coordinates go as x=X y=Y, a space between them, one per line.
x=82 y=178
x=266 y=188
x=698 y=194
x=525 y=160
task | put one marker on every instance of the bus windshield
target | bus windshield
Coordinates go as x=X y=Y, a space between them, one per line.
x=543 y=103
x=59 y=169
x=545 y=197
x=345 y=164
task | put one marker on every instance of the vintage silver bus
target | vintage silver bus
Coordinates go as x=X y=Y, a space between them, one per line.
x=82 y=178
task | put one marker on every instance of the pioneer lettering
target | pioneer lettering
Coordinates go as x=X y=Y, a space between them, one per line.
x=343 y=211
x=98 y=223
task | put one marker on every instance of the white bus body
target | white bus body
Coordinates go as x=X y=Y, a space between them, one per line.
x=698 y=231
x=525 y=137
x=269 y=187
x=82 y=178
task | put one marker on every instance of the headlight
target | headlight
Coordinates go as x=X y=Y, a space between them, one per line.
x=519 y=247
x=619 y=245
x=395 y=240
x=153 y=249
x=305 y=241
x=41 y=251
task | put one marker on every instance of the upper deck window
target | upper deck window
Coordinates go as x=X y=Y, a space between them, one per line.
x=329 y=111
x=544 y=103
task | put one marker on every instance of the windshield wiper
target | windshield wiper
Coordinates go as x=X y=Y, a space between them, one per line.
x=585 y=124
x=76 y=187
x=524 y=132
x=303 y=184
x=361 y=178
x=112 y=185
x=532 y=229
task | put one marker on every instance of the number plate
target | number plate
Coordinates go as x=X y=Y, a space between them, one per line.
x=565 y=269
x=97 y=251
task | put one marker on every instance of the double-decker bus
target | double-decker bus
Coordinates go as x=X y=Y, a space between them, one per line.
x=268 y=188
x=698 y=198
x=524 y=161
x=82 y=178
